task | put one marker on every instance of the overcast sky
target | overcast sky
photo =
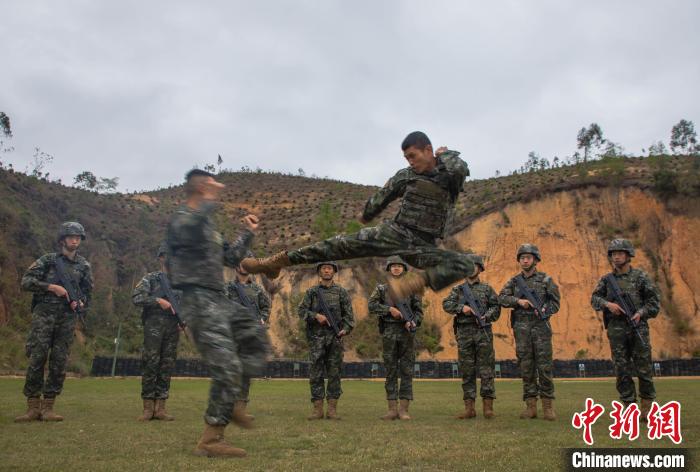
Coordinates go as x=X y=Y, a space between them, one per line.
x=145 y=90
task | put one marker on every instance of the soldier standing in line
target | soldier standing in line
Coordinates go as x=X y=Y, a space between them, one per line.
x=54 y=315
x=533 y=332
x=428 y=190
x=325 y=345
x=398 y=341
x=630 y=351
x=160 y=338
x=196 y=257
x=475 y=344
x=244 y=291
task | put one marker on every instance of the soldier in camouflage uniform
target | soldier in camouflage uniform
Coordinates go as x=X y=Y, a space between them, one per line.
x=160 y=337
x=53 y=321
x=196 y=256
x=428 y=190
x=629 y=354
x=398 y=341
x=533 y=336
x=475 y=345
x=325 y=348
x=244 y=291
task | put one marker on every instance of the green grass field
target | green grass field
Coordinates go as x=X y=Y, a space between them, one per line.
x=101 y=431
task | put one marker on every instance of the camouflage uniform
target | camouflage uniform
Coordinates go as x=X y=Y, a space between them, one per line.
x=629 y=355
x=325 y=349
x=160 y=338
x=427 y=201
x=533 y=337
x=53 y=322
x=398 y=343
x=475 y=348
x=256 y=294
x=224 y=332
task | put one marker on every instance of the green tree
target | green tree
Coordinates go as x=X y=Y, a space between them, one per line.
x=588 y=138
x=683 y=138
x=326 y=222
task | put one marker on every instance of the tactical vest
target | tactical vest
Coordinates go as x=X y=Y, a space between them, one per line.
x=424 y=207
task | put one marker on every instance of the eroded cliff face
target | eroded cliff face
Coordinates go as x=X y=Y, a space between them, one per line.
x=572 y=230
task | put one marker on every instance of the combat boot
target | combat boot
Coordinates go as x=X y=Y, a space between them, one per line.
x=239 y=417
x=212 y=444
x=161 y=413
x=548 y=409
x=393 y=413
x=530 y=409
x=148 y=409
x=488 y=408
x=239 y=408
x=317 y=411
x=268 y=266
x=332 y=413
x=403 y=409
x=33 y=411
x=47 y=413
x=413 y=283
x=645 y=409
x=469 y=411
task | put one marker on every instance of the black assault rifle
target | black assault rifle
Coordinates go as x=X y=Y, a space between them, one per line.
x=534 y=299
x=406 y=312
x=476 y=307
x=330 y=315
x=75 y=294
x=626 y=303
x=168 y=294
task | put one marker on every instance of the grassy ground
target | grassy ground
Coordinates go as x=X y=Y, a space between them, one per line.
x=101 y=433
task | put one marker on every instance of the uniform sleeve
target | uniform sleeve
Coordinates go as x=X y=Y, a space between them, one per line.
x=265 y=304
x=87 y=283
x=457 y=167
x=34 y=280
x=493 y=310
x=507 y=296
x=417 y=308
x=553 y=298
x=236 y=251
x=347 y=315
x=650 y=297
x=141 y=296
x=304 y=309
x=375 y=304
x=452 y=303
x=393 y=189
x=598 y=300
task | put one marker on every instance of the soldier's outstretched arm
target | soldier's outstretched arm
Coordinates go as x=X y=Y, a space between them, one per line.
x=265 y=305
x=347 y=314
x=650 y=297
x=451 y=304
x=141 y=295
x=393 y=189
x=375 y=304
x=553 y=296
x=235 y=252
x=493 y=312
x=34 y=279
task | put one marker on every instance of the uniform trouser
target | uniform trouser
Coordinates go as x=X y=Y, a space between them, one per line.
x=245 y=388
x=53 y=327
x=399 y=356
x=389 y=239
x=476 y=356
x=629 y=355
x=209 y=315
x=325 y=355
x=160 y=338
x=533 y=348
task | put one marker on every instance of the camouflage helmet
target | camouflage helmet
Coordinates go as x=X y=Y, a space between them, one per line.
x=395 y=260
x=162 y=249
x=621 y=245
x=71 y=228
x=528 y=248
x=330 y=263
x=477 y=260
